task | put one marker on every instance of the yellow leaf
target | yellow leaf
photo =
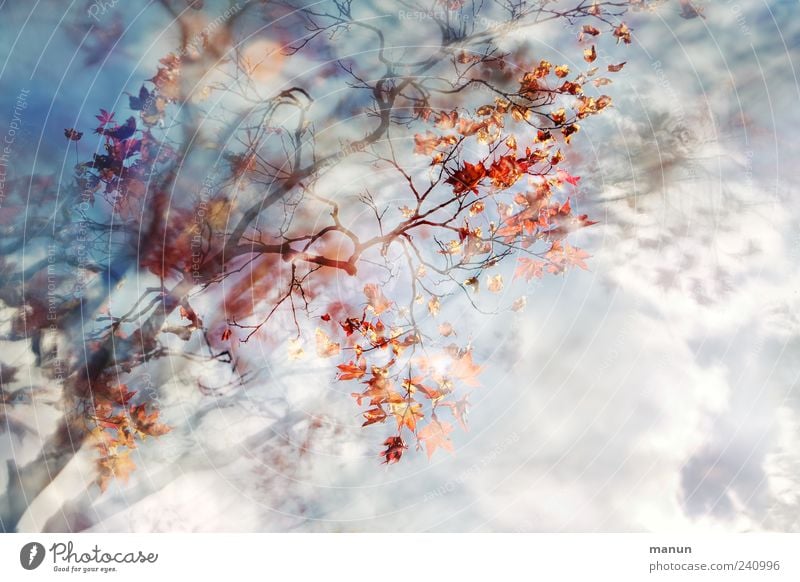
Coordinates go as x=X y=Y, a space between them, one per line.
x=295 y=349
x=495 y=283
x=434 y=306
x=406 y=414
x=325 y=347
x=118 y=466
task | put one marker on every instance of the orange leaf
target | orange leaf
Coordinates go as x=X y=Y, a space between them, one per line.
x=464 y=369
x=351 y=371
x=435 y=435
x=325 y=347
x=121 y=395
x=529 y=268
x=118 y=466
x=434 y=306
x=495 y=283
x=374 y=415
x=376 y=299
x=146 y=424
x=406 y=413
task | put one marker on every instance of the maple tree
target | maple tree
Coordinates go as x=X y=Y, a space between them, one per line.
x=470 y=143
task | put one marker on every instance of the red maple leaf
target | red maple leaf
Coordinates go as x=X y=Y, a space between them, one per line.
x=505 y=171
x=565 y=176
x=146 y=424
x=394 y=449
x=105 y=117
x=467 y=178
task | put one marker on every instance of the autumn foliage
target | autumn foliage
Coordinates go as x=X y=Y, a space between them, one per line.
x=475 y=141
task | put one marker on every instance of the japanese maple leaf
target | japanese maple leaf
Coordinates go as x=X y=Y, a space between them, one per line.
x=511 y=229
x=394 y=449
x=374 y=415
x=376 y=299
x=352 y=371
x=574 y=256
x=435 y=435
x=122 y=150
x=122 y=132
x=565 y=176
x=433 y=394
x=467 y=178
x=105 y=117
x=529 y=268
x=146 y=424
x=505 y=171
x=427 y=144
x=563 y=256
x=118 y=465
x=447 y=120
x=325 y=347
x=464 y=369
x=460 y=409
x=434 y=305
x=379 y=391
x=495 y=283
x=121 y=395
x=406 y=413
x=140 y=102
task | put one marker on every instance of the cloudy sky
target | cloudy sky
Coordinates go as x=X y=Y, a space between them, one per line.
x=656 y=391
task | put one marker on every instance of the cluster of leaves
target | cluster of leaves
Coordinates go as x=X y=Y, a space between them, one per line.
x=130 y=155
x=402 y=385
x=530 y=215
x=116 y=423
x=505 y=201
x=127 y=175
x=496 y=181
